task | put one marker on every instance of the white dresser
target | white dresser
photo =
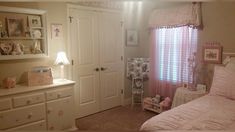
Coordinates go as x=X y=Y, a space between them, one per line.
x=48 y=107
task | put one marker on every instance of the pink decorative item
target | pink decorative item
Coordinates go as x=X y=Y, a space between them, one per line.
x=9 y=82
x=166 y=103
x=148 y=102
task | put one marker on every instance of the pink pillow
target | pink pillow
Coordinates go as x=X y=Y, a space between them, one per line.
x=223 y=82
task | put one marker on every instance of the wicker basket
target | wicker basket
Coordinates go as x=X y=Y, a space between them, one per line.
x=39 y=78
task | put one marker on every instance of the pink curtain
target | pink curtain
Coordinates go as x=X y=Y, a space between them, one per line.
x=169 y=52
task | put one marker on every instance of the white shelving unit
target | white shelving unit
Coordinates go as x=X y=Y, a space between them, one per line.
x=152 y=107
x=27 y=41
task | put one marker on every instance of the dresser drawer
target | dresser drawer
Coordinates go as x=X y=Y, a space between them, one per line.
x=20 y=116
x=28 y=99
x=5 y=104
x=40 y=125
x=61 y=93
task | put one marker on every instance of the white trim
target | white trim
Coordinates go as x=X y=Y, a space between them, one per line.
x=69 y=45
x=72 y=6
x=21 y=10
x=228 y=53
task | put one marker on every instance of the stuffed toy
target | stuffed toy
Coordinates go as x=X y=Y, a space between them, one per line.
x=17 y=49
x=9 y=82
x=165 y=104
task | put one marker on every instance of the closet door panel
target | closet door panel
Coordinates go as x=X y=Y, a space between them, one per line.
x=84 y=32
x=110 y=59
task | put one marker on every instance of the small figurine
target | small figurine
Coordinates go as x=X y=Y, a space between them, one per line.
x=165 y=104
x=17 y=49
x=9 y=82
x=36 y=49
x=5 y=48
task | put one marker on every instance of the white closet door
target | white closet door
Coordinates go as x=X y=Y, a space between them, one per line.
x=111 y=74
x=85 y=47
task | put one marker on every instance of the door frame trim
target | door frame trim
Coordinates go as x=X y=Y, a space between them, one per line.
x=70 y=69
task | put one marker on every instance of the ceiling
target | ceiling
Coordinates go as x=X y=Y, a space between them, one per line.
x=74 y=1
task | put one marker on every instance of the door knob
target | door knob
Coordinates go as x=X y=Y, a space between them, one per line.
x=97 y=69
x=103 y=69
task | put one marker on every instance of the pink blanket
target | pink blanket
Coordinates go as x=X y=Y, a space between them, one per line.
x=205 y=113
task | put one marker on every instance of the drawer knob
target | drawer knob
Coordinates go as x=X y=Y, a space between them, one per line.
x=59 y=95
x=30 y=116
x=28 y=101
x=49 y=111
x=51 y=128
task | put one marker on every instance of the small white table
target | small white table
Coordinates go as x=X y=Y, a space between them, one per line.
x=184 y=95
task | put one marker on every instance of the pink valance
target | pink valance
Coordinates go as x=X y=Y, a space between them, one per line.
x=187 y=14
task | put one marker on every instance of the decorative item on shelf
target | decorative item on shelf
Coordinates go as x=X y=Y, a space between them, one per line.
x=36 y=34
x=192 y=71
x=16 y=26
x=27 y=32
x=40 y=76
x=5 y=48
x=34 y=21
x=4 y=34
x=9 y=82
x=36 y=48
x=61 y=60
x=212 y=52
x=17 y=49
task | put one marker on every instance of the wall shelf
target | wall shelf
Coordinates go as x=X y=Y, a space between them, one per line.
x=25 y=56
x=30 y=36
x=21 y=38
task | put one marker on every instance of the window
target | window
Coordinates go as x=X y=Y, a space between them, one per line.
x=174 y=47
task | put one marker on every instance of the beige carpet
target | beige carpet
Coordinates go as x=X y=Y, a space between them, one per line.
x=116 y=119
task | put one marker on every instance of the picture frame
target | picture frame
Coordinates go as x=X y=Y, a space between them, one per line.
x=34 y=21
x=212 y=54
x=16 y=26
x=56 y=31
x=131 y=37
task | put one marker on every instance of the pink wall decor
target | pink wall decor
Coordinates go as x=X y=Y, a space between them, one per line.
x=212 y=52
x=9 y=82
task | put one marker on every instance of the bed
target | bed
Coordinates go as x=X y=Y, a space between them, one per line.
x=215 y=111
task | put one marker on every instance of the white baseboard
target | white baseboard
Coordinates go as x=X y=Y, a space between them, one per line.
x=127 y=101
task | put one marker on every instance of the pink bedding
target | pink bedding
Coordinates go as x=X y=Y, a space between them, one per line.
x=205 y=113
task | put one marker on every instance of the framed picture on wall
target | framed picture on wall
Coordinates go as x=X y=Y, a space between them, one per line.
x=16 y=26
x=56 y=31
x=131 y=37
x=34 y=21
x=212 y=54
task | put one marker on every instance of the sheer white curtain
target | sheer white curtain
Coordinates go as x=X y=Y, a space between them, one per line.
x=170 y=50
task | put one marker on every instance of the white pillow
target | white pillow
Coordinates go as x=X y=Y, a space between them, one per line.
x=231 y=64
x=223 y=82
